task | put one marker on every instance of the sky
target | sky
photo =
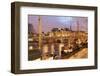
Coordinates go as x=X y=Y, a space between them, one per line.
x=49 y=22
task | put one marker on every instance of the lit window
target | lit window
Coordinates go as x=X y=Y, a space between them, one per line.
x=30 y=47
x=30 y=39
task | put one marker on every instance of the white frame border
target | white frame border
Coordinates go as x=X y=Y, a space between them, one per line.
x=25 y=64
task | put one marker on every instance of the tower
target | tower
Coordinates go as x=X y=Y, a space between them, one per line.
x=31 y=28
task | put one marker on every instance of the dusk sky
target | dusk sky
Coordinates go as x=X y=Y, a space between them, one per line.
x=49 y=22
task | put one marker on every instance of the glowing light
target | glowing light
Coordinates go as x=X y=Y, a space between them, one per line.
x=30 y=39
x=30 y=47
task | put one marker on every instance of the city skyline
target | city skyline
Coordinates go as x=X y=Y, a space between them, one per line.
x=49 y=22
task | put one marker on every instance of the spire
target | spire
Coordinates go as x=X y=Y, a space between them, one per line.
x=70 y=28
x=77 y=26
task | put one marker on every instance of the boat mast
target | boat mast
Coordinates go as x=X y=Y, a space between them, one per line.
x=40 y=31
x=70 y=33
x=78 y=29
